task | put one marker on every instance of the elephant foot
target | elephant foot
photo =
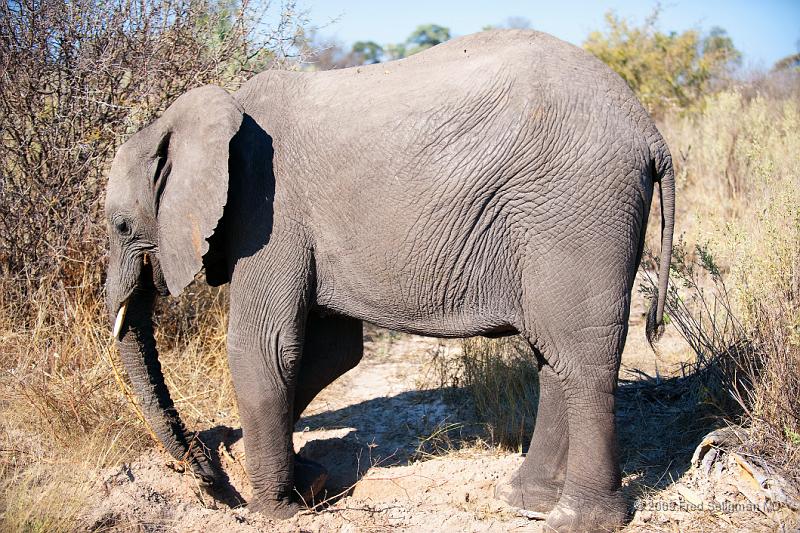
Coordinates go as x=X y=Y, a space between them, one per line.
x=573 y=514
x=539 y=495
x=309 y=479
x=278 y=509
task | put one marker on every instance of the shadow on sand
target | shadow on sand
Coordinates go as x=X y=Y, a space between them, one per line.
x=659 y=422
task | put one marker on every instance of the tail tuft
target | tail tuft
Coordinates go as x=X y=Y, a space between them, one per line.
x=654 y=328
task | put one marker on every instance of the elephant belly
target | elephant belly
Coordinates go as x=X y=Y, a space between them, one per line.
x=455 y=325
x=423 y=299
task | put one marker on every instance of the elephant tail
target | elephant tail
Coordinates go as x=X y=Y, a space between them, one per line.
x=662 y=173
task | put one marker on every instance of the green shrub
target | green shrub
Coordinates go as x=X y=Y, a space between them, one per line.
x=665 y=70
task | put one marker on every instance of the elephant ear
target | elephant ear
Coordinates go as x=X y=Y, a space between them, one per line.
x=191 y=186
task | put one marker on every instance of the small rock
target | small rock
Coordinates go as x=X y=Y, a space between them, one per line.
x=531 y=515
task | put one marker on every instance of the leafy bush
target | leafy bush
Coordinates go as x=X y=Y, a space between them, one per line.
x=664 y=70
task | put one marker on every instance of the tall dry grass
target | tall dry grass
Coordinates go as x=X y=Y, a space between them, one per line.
x=738 y=166
x=498 y=378
x=64 y=413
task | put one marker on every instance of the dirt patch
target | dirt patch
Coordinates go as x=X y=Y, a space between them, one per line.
x=367 y=429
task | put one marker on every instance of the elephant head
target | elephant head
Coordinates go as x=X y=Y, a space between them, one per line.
x=166 y=194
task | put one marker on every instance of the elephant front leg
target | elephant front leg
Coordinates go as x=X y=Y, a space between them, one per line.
x=265 y=398
x=265 y=345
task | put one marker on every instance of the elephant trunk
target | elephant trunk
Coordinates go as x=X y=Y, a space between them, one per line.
x=133 y=328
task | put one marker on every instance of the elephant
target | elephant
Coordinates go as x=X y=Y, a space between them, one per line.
x=496 y=184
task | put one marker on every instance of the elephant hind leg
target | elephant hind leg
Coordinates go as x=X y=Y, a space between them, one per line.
x=580 y=319
x=537 y=485
x=333 y=345
x=591 y=499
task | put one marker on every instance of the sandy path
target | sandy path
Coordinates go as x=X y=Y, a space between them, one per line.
x=365 y=428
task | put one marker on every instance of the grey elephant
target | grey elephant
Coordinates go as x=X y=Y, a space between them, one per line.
x=497 y=184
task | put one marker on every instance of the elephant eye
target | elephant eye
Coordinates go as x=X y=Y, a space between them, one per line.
x=122 y=227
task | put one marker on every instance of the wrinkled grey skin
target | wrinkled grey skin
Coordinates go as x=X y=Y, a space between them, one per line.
x=495 y=184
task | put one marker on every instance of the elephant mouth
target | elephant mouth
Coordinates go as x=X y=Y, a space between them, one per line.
x=122 y=310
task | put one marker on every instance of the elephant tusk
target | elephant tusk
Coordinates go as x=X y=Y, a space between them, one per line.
x=145 y=259
x=120 y=319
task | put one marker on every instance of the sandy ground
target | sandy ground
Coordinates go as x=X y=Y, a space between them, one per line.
x=378 y=430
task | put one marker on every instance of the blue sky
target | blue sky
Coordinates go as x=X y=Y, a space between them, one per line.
x=764 y=31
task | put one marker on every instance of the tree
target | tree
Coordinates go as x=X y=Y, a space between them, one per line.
x=77 y=78
x=394 y=51
x=664 y=70
x=788 y=63
x=320 y=53
x=511 y=23
x=426 y=36
x=328 y=55
x=367 y=52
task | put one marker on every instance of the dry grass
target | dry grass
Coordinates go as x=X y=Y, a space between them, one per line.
x=63 y=414
x=499 y=381
x=739 y=169
x=57 y=398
